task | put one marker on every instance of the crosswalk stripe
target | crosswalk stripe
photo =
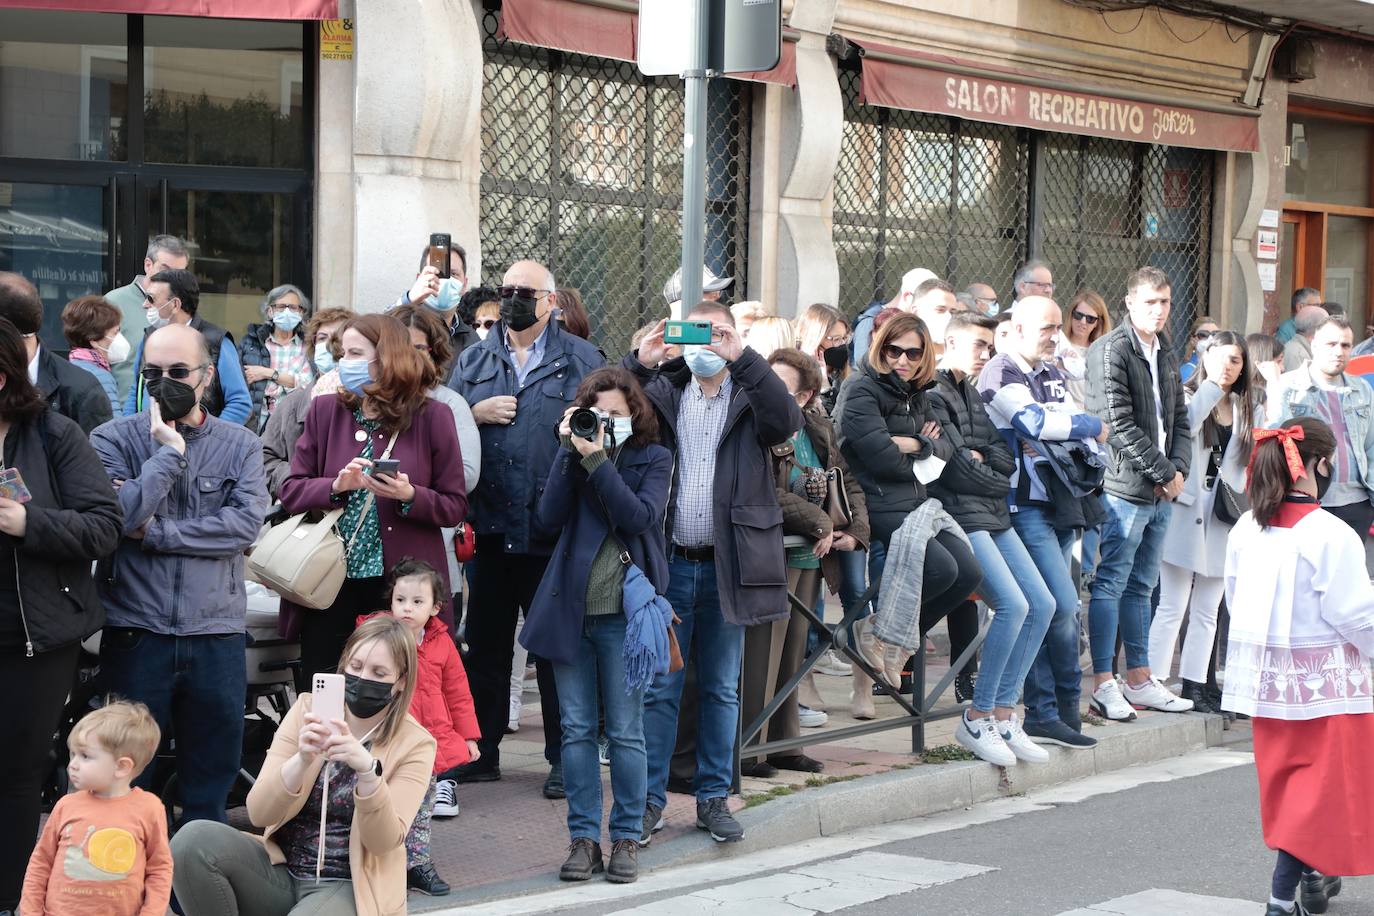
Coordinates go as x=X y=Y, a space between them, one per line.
x=1159 y=902
x=822 y=887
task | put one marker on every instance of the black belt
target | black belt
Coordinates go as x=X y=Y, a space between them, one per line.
x=695 y=554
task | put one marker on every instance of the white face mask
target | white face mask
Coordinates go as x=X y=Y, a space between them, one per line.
x=155 y=319
x=118 y=351
x=622 y=428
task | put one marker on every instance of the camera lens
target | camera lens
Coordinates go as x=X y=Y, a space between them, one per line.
x=584 y=423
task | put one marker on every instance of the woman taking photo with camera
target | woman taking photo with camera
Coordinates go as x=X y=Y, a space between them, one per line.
x=382 y=412
x=341 y=852
x=607 y=492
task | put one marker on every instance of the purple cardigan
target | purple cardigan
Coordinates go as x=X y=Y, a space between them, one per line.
x=429 y=454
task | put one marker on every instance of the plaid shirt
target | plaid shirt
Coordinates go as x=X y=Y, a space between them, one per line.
x=288 y=357
x=700 y=423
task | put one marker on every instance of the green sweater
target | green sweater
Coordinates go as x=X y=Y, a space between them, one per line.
x=606 y=578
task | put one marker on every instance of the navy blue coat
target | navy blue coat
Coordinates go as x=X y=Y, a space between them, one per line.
x=636 y=494
x=516 y=458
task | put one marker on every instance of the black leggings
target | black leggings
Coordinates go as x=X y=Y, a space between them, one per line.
x=951 y=575
x=1288 y=870
x=324 y=632
x=35 y=690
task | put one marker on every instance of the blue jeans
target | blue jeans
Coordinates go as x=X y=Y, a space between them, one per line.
x=1022 y=609
x=195 y=687
x=1092 y=542
x=1055 y=679
x=600 y=674
x=1132 y=549
x=714 y=647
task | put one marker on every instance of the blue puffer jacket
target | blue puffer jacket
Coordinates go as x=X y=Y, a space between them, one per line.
x=516 y=458
x=201 y=509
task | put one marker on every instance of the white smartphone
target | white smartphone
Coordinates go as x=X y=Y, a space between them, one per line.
x=327 y=699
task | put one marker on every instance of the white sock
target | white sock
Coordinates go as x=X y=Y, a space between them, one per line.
x=1285 y=905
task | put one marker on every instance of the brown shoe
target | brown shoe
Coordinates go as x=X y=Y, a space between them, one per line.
x=624 y=865
x=584 y=860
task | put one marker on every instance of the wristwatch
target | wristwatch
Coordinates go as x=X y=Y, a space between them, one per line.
x=276 y=374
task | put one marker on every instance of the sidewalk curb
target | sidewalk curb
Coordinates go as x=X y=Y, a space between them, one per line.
x=922 y=790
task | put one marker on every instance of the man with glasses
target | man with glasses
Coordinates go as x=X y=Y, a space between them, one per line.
x=193 y=493
x=983 y=299
x=1032 y=278
x=173 y=297
x=444 y=295
x=76 y=395
x=165 y=252
x=519 y=381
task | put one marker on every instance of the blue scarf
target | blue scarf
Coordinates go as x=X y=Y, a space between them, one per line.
x=647 y=618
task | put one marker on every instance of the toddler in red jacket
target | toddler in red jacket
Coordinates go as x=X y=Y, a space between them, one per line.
x=442 y=704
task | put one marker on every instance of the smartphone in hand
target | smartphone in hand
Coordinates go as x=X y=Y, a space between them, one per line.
x=12 y=486
x=438 y=254
x=327 y=699
x=388 y=467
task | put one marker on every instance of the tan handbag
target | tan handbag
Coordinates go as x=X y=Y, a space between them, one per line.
x=305 y=561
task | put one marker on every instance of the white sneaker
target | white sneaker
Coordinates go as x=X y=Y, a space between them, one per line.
x=1108 y=703
x=513 y=719
x=811 y=718
x=832 y=665
x=1020 y=743
x=980 y=736
x=1154 y=695
x=446 y=798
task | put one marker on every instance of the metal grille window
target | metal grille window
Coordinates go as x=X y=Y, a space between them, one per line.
x=957 y=197
x=582 y=170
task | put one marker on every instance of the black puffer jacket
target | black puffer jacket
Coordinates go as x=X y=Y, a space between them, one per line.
x=973 y=491
x=1121 y=393
x=72 y=520
x=872 y=408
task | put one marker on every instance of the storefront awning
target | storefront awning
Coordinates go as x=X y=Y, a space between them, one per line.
x=941 y=84
x=606 y=28
x=218 y=9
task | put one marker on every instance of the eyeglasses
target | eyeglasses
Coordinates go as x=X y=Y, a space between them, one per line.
x=894 y=352
x=487 y=324
x=1047 y=286
x=522 y=292
x=1203 y=335
x=838 y=340
x=285 y=307
x=1086 y=318
x=180 y=373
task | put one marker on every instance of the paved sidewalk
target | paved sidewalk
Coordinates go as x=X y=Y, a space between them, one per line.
x=509 y=839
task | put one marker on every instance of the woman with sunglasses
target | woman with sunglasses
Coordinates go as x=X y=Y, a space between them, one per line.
x=480 y=307
x=1204 y=329
x=1085 y=320
x=886 y=425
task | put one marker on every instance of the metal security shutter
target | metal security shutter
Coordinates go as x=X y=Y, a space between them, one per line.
x=582 y=169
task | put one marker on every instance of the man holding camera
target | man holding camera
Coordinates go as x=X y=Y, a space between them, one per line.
x=725 y=557
x=519 y=381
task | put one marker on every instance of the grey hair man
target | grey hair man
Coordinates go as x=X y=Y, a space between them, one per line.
x=983 y=299
x=1033 y=278
x=165 y=252
x=1298 y=350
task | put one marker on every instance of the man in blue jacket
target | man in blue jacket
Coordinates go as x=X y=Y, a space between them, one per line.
x=194 y=496
x=519 y=381
x=173 y=297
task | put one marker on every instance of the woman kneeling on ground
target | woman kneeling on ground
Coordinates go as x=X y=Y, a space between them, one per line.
x=346 y=855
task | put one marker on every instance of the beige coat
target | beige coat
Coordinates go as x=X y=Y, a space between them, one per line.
x=376 y=846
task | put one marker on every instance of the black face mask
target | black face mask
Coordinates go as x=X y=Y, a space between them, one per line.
x=836 y=358
x=366 y=698
x=174 y=399
x=1323 y=480
x=519 y=312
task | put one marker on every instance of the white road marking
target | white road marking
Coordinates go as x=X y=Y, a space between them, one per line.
x=729 y=868
x=1168 y=903
x=820 y=888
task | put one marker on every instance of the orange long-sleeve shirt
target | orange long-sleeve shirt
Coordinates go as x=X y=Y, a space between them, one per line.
x=101 y=857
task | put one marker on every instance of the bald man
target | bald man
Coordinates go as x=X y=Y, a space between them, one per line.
x=984 y=298
x=194 y=496
x=519 y=381
x=906 y=296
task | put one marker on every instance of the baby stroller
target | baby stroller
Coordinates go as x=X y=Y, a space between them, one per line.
x=271 y=673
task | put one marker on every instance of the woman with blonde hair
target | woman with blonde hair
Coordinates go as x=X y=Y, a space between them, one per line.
x=747 y=312
x=770 y=333
x=823 y=335
x=1085 y=320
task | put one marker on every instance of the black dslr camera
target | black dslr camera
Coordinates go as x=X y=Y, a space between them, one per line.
x=586 y=423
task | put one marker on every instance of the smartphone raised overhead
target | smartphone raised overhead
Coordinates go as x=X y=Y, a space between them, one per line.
x=438 y=254
x=687 y=332
x=327 y=699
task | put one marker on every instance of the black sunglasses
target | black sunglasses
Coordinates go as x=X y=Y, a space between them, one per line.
x=892 y=351
x=487 y=324
x=180 y=373
x=1085 y=317
x=1202 y=335
x=524 y=292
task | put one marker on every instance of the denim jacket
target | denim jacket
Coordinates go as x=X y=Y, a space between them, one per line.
x=1295 y=394
x=199 y=511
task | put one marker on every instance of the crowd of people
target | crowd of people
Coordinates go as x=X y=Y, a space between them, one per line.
x=637 y=515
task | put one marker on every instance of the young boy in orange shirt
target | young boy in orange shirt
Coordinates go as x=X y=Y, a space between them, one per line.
x=104 y=848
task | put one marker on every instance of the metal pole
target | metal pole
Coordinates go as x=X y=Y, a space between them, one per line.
x=694 y=157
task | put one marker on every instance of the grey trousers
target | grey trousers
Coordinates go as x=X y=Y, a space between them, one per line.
x=219 y=871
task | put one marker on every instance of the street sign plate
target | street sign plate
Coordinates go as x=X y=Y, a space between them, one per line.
x=745 y=36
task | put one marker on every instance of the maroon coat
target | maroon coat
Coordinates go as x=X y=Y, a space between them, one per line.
x=429 y=455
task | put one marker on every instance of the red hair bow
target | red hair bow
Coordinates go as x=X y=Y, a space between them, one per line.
x=1289 y=437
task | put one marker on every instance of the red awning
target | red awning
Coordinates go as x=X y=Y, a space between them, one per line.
x=941 y=84
x=604 y=30
x=218 y=9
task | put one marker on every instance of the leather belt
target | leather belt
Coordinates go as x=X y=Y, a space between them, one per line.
x=695 y=554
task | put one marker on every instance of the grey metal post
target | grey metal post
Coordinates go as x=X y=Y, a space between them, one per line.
x=694 y=157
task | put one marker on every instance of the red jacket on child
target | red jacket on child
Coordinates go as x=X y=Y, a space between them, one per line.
x=443 y=701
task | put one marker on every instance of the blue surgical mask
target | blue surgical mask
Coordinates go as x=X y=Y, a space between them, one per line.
x=354 y=374
x=450 y=291
x=704 y=363
x=622 y=428
x=287 y=320
x=324 y=360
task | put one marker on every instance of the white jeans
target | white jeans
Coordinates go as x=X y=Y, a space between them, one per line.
x=1181 y=590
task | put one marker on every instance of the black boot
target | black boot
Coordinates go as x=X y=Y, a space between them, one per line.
x=1317 y=890
x=1194 y=691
